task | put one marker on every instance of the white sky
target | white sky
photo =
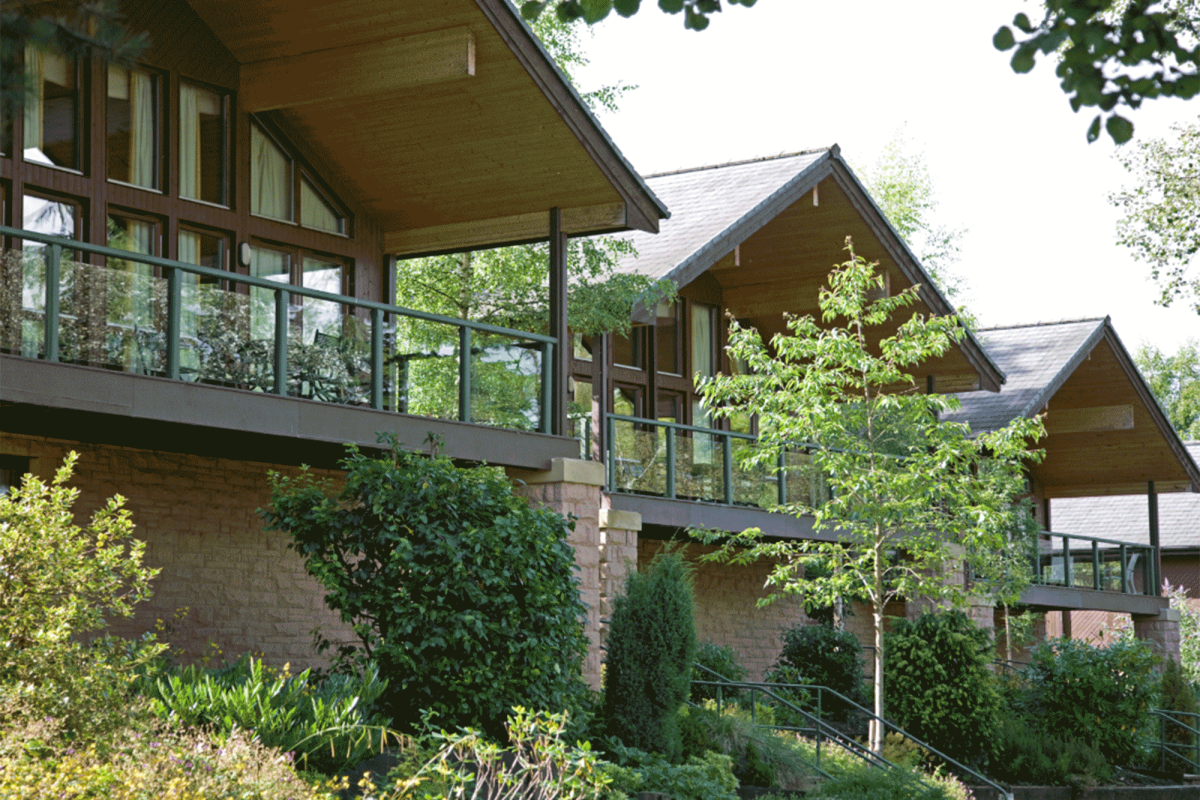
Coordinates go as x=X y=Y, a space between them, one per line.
x=1007 y=157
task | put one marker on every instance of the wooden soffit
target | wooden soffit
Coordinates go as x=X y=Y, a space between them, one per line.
x=1106 y=435
x=442 y=117
x=781 y=268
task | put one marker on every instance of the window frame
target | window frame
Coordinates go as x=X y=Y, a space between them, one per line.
x=162 y=83
x=79 y=113
x=228 y=114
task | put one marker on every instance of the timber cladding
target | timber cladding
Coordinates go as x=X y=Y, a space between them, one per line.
x=242 y=588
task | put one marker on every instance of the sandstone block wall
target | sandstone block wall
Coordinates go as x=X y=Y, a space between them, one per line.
x=242 y=589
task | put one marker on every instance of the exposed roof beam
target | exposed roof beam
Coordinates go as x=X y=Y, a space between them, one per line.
x=503 y=230
x=360 y=70
x=1110 y=488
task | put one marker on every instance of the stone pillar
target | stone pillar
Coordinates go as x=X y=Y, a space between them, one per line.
x=618 y=557
x=572 y=487
x=1161 y=630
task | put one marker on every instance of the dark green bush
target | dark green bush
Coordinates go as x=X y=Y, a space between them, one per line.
x=462 y=595
x=1100 y=695
x=783 y=675
x=707 y=776
x=651 y=644
x=329 y=724
x=1176 y=694
x=828 y=657
x=1023 y=754
x=721 y=660
x=760 y=756
x=872 y=783
x=939 y=684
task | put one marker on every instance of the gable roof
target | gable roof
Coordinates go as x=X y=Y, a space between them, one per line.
x=1106 y=433
x=716 y=209
x=1127 y=518
x=445 y=118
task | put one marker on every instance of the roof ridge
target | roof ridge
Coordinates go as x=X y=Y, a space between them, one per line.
x=1046 y=323
x=739 y=163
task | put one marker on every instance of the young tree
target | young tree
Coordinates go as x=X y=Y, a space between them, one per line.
x=1160 y=220
x=1175 y=381
x=910 y=493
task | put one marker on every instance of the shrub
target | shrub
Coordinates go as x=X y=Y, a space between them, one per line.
x=58 y=582
x=651 y=642
x=722 y=660
x=1023 y=754
x=1176 y=694
x=1100 y=695
x=872 y=783
x=329 y=724
x=786 y=675
x=708 y=776
x=827 y=657
x=939 y=683
x=461 y=594
x=759 y=756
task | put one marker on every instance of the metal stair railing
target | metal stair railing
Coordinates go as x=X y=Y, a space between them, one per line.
x=1184 y=752
x=825 y=730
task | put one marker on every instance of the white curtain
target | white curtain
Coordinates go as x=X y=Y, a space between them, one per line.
x=315 y=212
x=270 y=178
x=34 y=77
x=189 y=141
x=141 y=135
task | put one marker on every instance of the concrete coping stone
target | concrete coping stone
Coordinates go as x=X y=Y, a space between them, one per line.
x=616 y=519
x=563 y=470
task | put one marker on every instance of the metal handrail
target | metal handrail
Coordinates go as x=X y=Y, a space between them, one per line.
x=1184 y=752
x=983 y=780
x=173 y=271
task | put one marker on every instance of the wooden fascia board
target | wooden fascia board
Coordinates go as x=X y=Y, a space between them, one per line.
x=750 y=223
x=1151 y=402
x=359 y=70
x=516 y=229
x=990 y=376
x=645 y=209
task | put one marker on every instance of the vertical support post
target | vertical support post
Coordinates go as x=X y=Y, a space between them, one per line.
x=1124 y=568
x=53 y=304
x=781 y=484
x=670 y=434
x=1155 y=552
x=174 y=320
x=464 y=374
x=610 y=454
x=727 y=468
x=558 y=322
x=1068 y=578
x=545 y=424
x=601 y=395
x=1096 y=566
x=282 y=301
x=376 y=358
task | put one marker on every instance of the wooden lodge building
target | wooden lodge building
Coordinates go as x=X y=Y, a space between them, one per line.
x=197 y=286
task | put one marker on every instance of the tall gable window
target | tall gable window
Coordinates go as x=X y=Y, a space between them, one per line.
x=270 y=178
x=318 y=212
x=203 y=144
x=52 y=109
x=133 y=127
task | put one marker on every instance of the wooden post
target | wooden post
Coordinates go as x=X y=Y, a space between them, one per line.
x=1155 y=552
x=601 y=394
x=558 y=323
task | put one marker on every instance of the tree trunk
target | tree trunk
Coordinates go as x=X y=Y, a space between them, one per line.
x=876 y=726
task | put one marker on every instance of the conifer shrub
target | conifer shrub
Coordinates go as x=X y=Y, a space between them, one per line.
x=651 y=644
x=939 y=685
x=462 y=595
x=829 y=657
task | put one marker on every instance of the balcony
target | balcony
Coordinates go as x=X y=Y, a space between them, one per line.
x=200 y=328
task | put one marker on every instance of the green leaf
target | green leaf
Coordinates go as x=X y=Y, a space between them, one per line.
x=1022 y=22
x=532 y=9
x=595 y=10
x=1094 y=130
x=1003 y=40
x=1023 y=59
x=627 y=8
x=1119 y=128
x=671 y=6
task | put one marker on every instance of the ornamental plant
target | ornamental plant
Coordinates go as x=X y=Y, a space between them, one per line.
x=825 y=656
x=460 y=593
x=651 y=646
x=940 y=686
x=60 y=581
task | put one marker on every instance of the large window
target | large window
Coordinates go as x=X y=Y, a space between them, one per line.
x=52 y=109
x=203 y=144
x=317 y=211
x=308 y=317
x=133 y=129
x=667 y=338
x=270 y=178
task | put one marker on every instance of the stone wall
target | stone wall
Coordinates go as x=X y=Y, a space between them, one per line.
x=225 y=582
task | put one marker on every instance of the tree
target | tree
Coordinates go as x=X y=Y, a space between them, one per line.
x=1175 y=381
x=907 y=488
x=1112 y=53
x=1160 y=219
x=695 y=12
x=460 y=593
x=900 y=184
